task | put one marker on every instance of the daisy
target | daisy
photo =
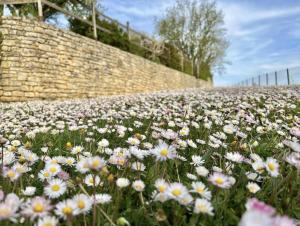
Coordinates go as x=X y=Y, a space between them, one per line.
x=203 y=206
x=91 y=180
x=66 y=208
x=55 y=188
x=36 y=207
x=102 y=198
x=184 y=131
x=220 y=180
x=122 y=182
x=96 y=162
x=161 y=185
x=47 y=221
x=259 y=166
x=253 y=187
x=138 y=166
x=186 y=200
x=176 y=190
x=234 y=157
x=202 y=171
x=9 y=207
x=12 y=174
x=44 y=175
x=163 y=152
x=138 y=185
x=200 y=188
x=272 y=167
x=84 y=203
x=53 y=169
x=197 y=160
x=29 y=191
x=76 y=150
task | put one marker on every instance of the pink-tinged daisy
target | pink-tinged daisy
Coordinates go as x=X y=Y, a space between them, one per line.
x=36 y=207
x=9 y=207
x=220 y=180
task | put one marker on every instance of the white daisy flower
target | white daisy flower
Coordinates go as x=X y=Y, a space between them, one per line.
x=138 y=185
x=66 y=208
x=272 y=167
x=122 y=182
x=203 y=206
x=55 y=188
x=253 y=187
x=200 y=188
x=92 y=180
x=163 y=151
x=84 y=203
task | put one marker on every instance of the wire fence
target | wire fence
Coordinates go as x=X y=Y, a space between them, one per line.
x=285 y=77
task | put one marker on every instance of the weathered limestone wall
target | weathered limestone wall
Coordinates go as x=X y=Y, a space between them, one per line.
x=39 y=61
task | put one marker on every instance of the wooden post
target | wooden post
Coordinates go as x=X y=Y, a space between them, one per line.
x=128 y=30
x=252 y=81
x=267 y=79
x=94 y=20
x=259 y=80
x=276 y=81
x=182 y=61
x=40 y=10
x=288 y=76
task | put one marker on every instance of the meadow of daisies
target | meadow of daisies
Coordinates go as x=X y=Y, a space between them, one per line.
x=215 y=157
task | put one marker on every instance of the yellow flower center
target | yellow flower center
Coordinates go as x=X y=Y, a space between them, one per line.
x=161 y=188
x=91 y=180
x=48 y=224
x=38 y=208
x=200 y=190
x=176 y=192
x=55 y=187
x=67 y=210
x=202 y=208
x=164 y=152
x=53 y=169
x=11 y=174
x=271 y=166
x=95 y=163
x=4 y=212
x=46 y=174
x=69 y=161
x=219 y=180
x=81 y=204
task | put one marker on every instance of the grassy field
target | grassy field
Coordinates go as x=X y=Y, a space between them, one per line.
x=219 y=157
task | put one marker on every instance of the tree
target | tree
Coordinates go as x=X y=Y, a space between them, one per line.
x=196 y=27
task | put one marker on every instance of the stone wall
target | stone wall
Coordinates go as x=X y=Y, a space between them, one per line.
x=39 y=61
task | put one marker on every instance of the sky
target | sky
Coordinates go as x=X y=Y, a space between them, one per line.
x=264 y=35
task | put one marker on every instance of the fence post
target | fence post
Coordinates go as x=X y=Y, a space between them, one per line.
x=128 y=29
x=40 y=10
x=276 y=82
x=94 y=19
x=288 y=76
x=267 y=79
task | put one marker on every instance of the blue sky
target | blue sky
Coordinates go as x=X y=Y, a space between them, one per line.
x=264 y=35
